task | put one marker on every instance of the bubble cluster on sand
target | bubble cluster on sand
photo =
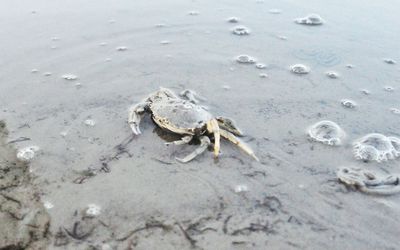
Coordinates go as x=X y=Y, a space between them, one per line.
x=70 y=77
x=311 y=19
x=395 y=111
x=376 y=147
x=332 y=74
x=121 y=48
x=241 y=31
x=263 y=75
x=47 y=73
x=327 y=132
x=284 y=38
x=388 y=88
x=261 y=66
x=245 y=59
x=347 y=103
x=300 y=69
x=27 y=154
x=389 y=61
x=92 y=210
x=34 y=71
x=275 y=11
x=233 y=19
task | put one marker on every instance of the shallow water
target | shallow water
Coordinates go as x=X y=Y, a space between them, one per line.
x=121 y=51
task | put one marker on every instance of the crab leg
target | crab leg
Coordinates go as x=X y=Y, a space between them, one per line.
x=135 y=116
x=213 y=128
x=229 y=125
x=191 y=96
x=184 y=140
x=204 y=143
x=232 y=138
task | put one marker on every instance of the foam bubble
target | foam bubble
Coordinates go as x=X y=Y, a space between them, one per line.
x=300 y=69
x=350 y=104
x=241 y=188
x=349 y=66
x=388 y=88
x=275 y=11
x=70 y=77
x=396 y=145
x=34 y=71
x=261 y=66
x=121 y=48
x=47 y=73
x=90 y=122
x=395 y=111
x=194 y=13
x=241 y=31
x=233 y=19
x=165 y=42
x=365 y=91
x=27 y=154
x=389 y=61
x=92 y=210
x=375 y=147
x=263 y=75
x=64 y=133
x=332 y=74
x=327 y=132
x=48 y=205
x=245 y=59
x=311 y=19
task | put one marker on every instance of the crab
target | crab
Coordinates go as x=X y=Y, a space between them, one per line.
x=181 y=114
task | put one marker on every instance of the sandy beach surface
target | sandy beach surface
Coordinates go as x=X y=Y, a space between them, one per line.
x=70 y=71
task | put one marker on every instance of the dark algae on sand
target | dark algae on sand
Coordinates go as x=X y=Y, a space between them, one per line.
x=23 y=219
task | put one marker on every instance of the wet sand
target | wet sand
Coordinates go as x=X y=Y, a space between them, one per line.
x=24 y=220
x=147 y=199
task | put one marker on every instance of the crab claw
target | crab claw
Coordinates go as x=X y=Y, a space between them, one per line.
x=135 y=128
x=135 y=116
